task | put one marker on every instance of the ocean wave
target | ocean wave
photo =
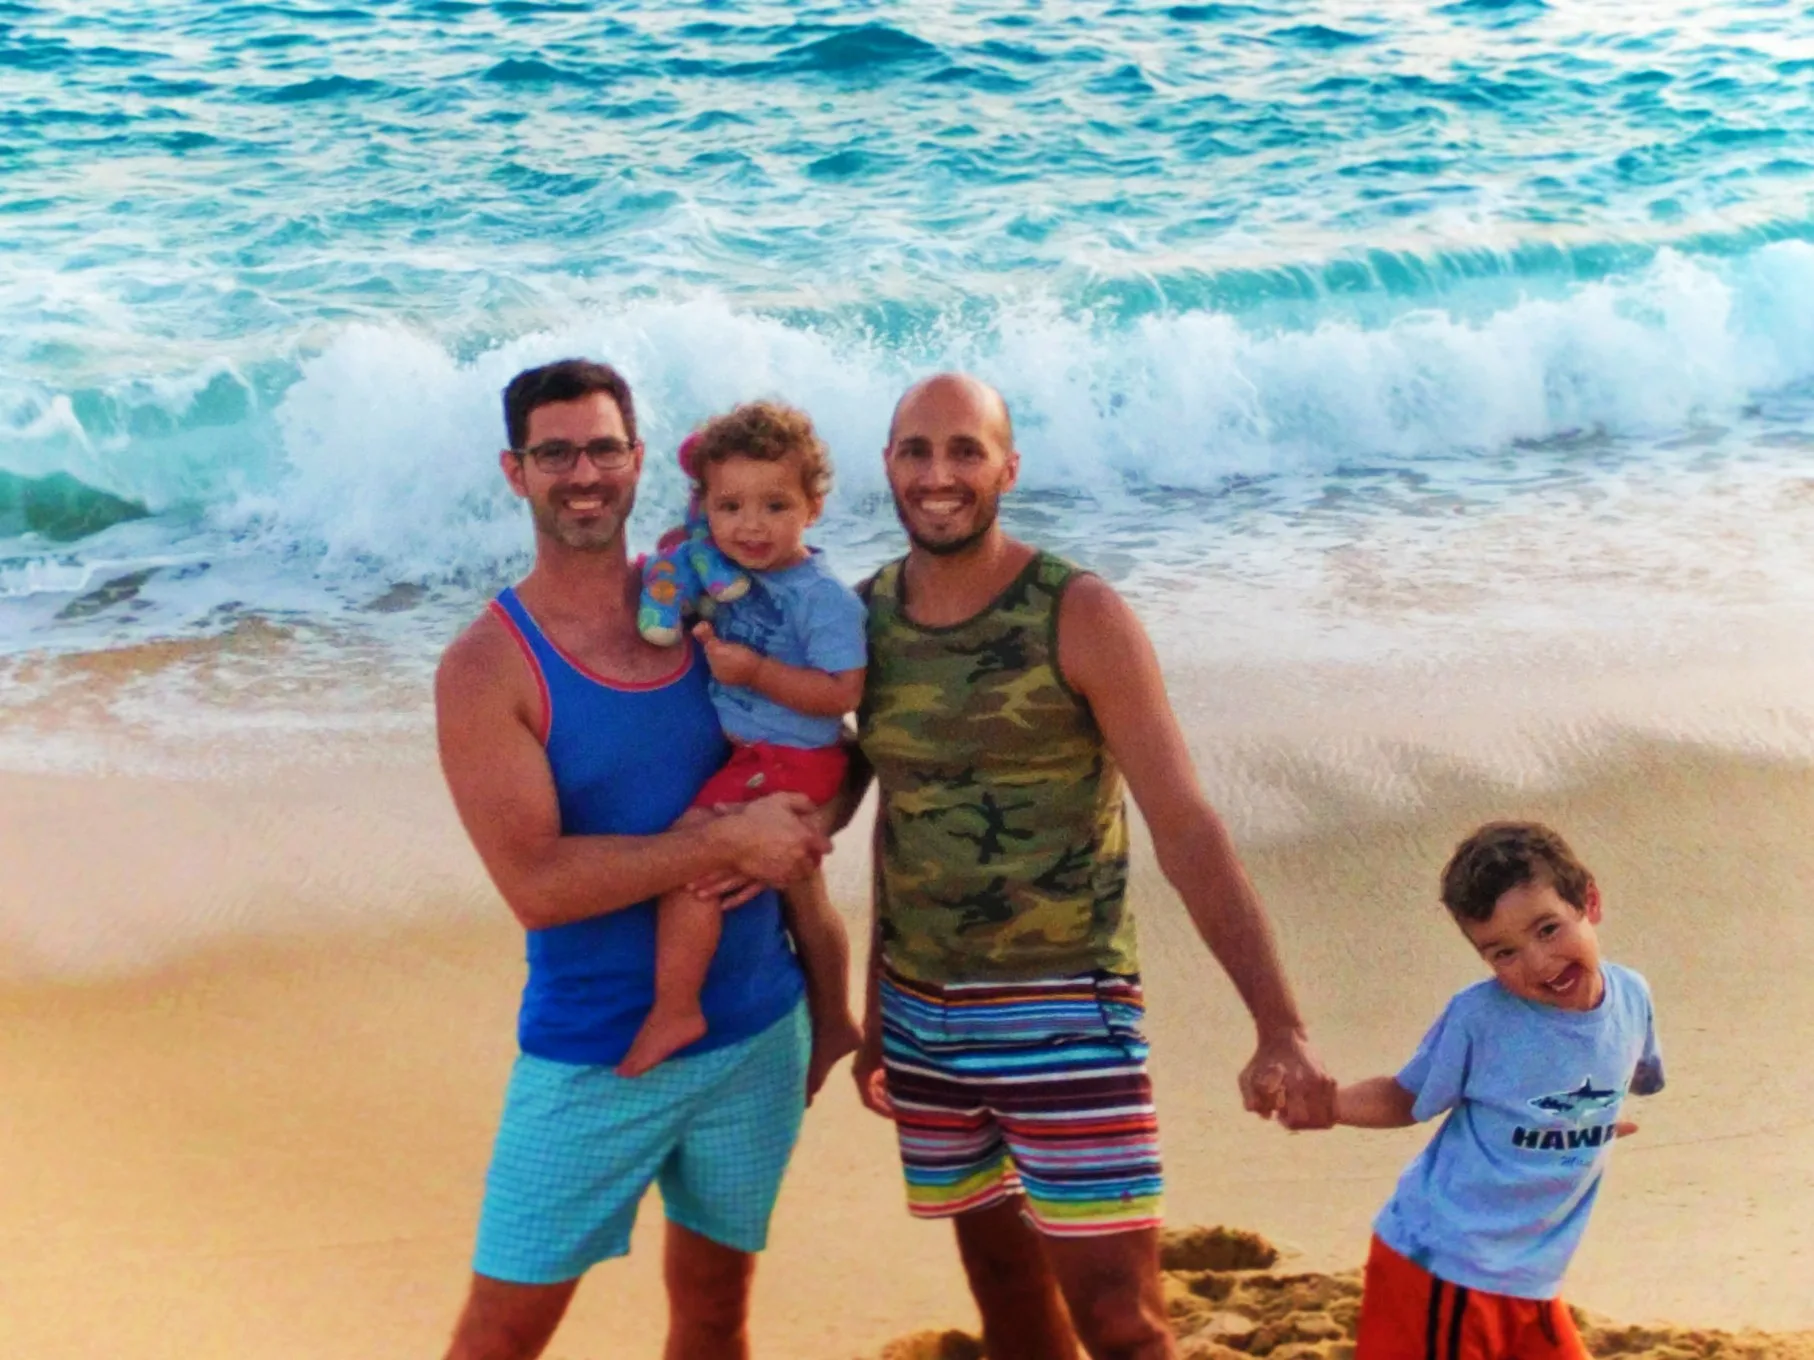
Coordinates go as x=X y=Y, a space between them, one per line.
x=377 y=451
x=324 y=87
x=1209 y=14
x=59 y=508
x=519 y=71
x=861 y=50
x=1319 y=37
x=161 y=443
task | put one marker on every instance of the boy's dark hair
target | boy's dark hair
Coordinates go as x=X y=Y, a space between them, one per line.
x=1501 y=856
x=563 y=380
x=767 y=431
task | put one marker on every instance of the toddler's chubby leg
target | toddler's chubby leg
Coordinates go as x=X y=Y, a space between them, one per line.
x=825 y=959
x=687 y=928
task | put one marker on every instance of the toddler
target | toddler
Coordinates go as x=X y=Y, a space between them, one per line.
x=787 y=661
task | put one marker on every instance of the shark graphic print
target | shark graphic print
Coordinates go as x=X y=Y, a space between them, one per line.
x=1585 y=1100
x=1589 y=1114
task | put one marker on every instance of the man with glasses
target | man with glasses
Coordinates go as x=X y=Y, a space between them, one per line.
x=572 y=747
x=1008 y=696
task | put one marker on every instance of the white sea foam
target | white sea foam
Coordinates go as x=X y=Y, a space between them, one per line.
x=378 y=452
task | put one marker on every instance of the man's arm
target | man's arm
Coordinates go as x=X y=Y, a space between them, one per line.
x=487 y=713
x=1106 y=656
x=858 y=774
x=872 y=1081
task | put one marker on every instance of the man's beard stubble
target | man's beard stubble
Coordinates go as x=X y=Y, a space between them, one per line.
x=598 y=536
x=987 y=510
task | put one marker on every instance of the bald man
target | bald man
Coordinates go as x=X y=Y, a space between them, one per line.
x=1009 y=696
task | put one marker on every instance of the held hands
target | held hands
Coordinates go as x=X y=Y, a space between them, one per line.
x=777 y=839
x=731 y=662
x=1284 y=1080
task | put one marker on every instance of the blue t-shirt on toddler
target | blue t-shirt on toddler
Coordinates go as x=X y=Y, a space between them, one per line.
x=801 y=616
x=1498 y=1199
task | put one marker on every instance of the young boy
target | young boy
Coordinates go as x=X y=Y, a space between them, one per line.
x=787 y=662
x=1532 y=1066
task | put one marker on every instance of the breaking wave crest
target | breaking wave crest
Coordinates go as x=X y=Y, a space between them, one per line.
x=375 y=451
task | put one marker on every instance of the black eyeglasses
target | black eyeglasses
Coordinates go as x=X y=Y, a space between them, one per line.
x=558 y=455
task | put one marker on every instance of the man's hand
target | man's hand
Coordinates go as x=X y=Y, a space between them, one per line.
x=732 y=663
x=872 y=1081
x=1285 y=1080
x=728 y=890
x=725 y=887
x=774 y=840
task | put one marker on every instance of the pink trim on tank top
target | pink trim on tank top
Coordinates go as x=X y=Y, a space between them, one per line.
x=535 y=667
x=626 y=686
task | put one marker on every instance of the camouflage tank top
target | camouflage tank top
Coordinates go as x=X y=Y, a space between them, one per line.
x=1004 y=834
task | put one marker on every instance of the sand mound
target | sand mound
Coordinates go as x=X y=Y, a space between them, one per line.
x=1227 y=1303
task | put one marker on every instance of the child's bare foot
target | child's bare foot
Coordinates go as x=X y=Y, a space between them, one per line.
x=662 y=1035
x=830 y=1044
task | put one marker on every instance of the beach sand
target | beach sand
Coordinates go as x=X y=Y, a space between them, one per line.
x=1229 y=1298
x=268 y=1140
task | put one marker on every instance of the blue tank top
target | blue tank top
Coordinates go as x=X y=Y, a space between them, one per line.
x=627 y=760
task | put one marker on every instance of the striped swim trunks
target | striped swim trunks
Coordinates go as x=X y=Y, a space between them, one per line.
x=1027 y=1088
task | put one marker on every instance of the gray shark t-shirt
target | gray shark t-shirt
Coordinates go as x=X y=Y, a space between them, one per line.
x=1498 y=1199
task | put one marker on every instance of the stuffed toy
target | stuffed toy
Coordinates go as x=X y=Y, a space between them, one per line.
x=686 y=569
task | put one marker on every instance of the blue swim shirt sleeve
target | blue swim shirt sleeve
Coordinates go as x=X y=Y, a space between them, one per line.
x=1648 y=1079
x=1437 y=1074
x=834 y=627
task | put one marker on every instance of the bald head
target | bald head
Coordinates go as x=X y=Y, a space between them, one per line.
x=950 y=459
x=954 y=398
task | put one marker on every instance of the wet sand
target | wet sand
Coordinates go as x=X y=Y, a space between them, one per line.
x=267 y=1136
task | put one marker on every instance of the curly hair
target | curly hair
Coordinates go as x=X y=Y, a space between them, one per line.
x=1501 y=856
x=767 y=431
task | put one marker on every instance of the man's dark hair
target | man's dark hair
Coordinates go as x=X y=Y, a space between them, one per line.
x=1501 y=856
x=563 y=380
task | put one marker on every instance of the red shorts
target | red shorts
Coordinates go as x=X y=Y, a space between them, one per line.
x=759 y=768
x=1408 y=1314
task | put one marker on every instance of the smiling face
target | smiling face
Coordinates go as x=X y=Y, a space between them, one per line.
x=585 y=507
x=759 y=511
x=950 y=459
x=1541 y=947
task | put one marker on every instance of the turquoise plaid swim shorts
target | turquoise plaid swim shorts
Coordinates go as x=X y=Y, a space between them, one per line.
x=579 y=1146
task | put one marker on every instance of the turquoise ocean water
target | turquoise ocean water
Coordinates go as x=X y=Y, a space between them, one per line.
x=1268 y=285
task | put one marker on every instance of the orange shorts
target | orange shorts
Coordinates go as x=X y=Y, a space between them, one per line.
x=1408 y=1314
x=758 y=768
